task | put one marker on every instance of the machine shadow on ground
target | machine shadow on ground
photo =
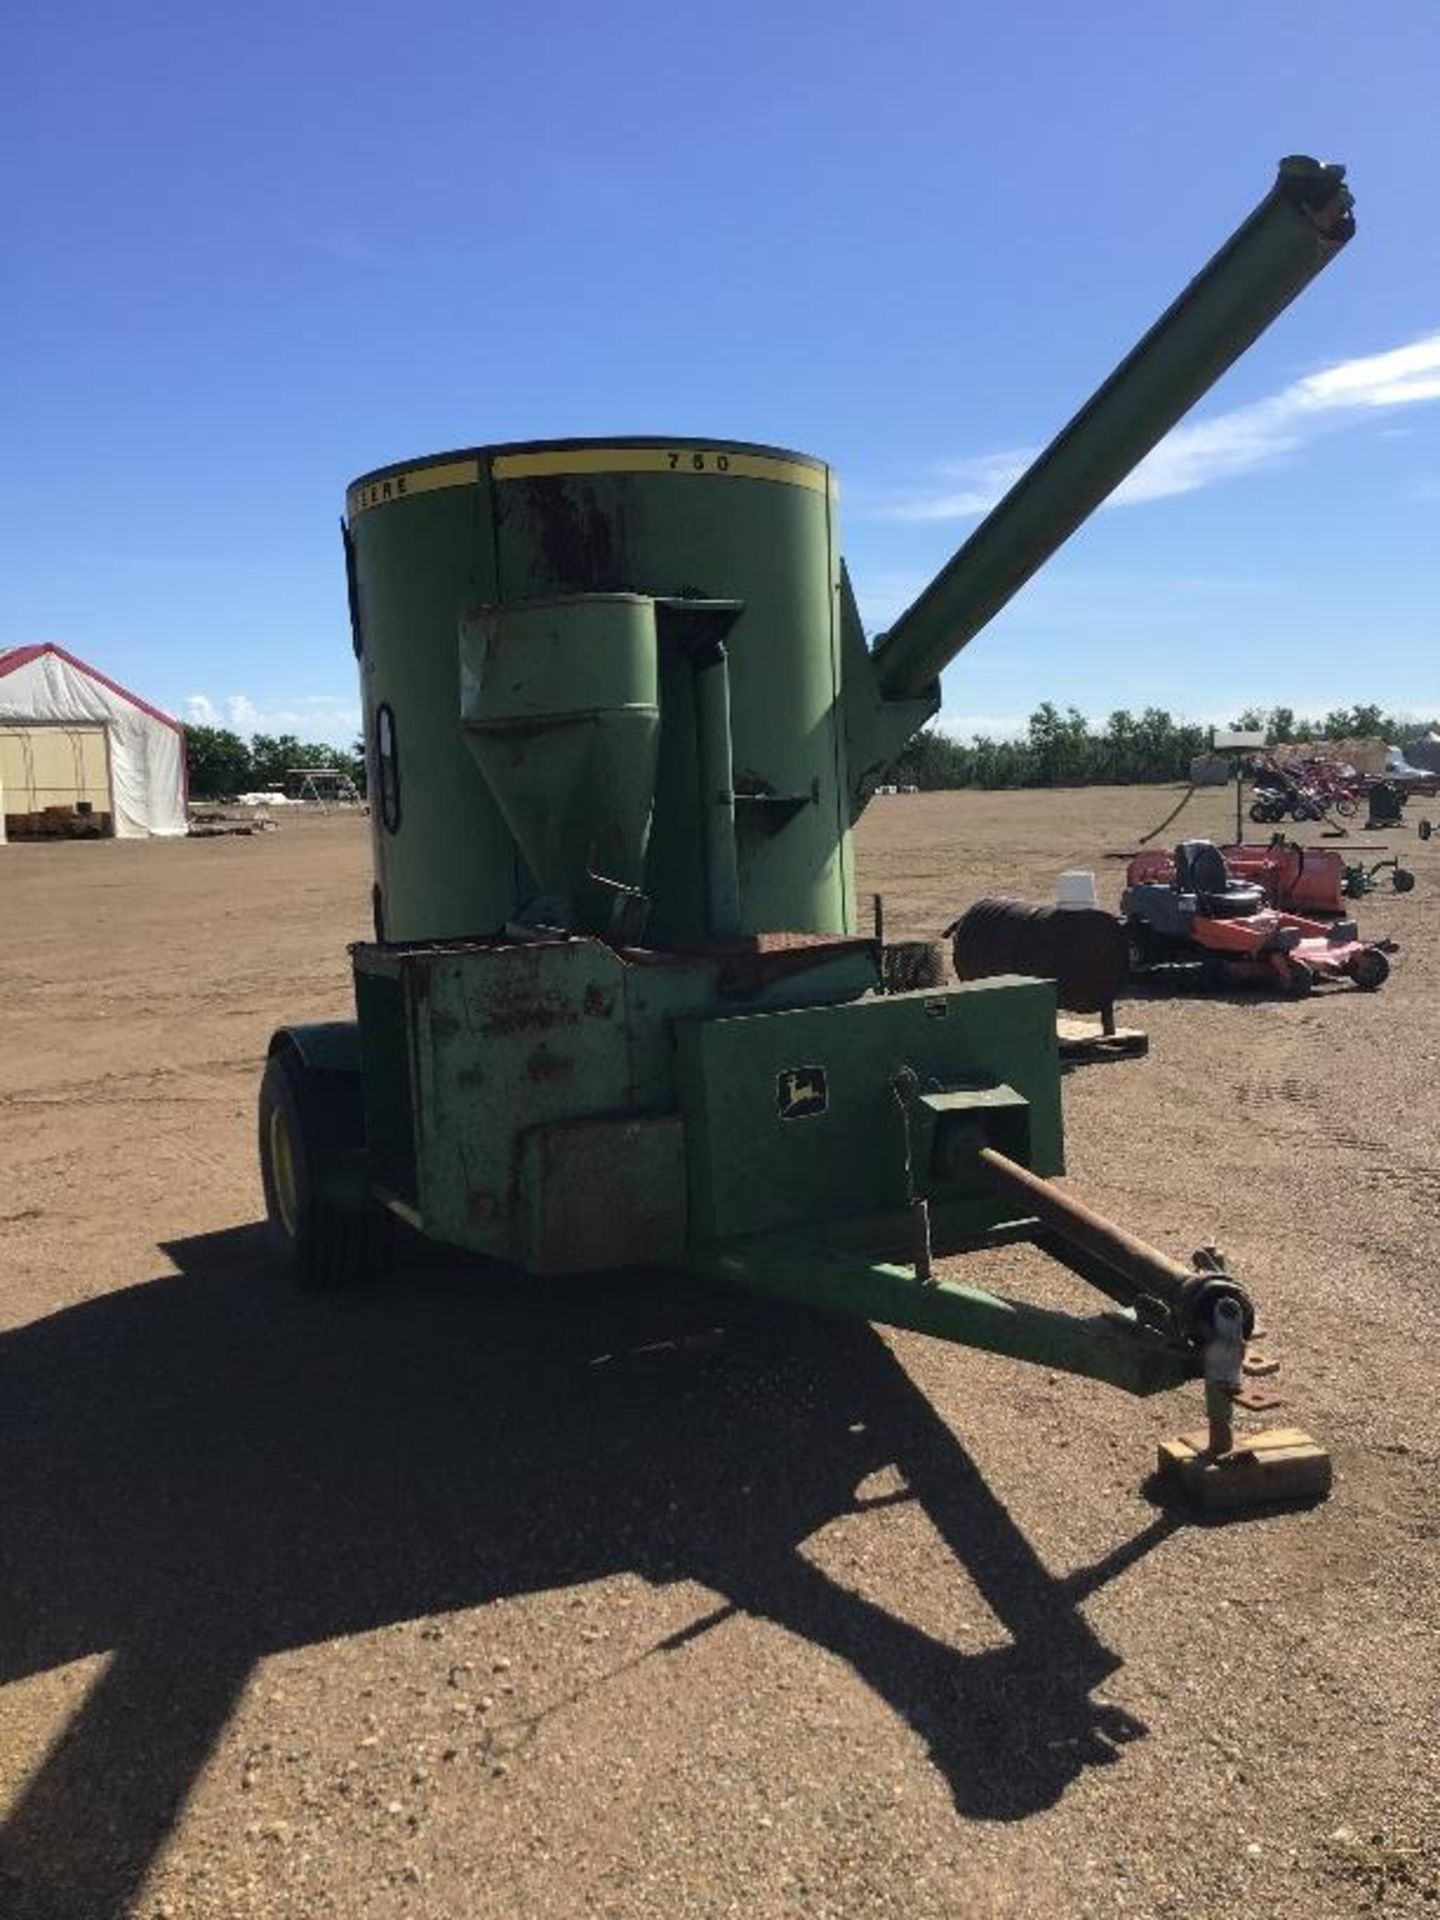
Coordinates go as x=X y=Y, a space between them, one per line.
x=211 y=1468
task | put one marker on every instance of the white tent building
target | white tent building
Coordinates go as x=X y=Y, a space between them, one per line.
x=70 y=738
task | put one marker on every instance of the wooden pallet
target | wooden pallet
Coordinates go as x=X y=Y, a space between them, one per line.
x=1084 y=1041
x=1283 y=1463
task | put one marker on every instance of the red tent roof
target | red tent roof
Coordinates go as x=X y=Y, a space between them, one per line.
x=22 y=656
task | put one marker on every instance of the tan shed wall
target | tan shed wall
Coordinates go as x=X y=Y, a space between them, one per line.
x=53 y=766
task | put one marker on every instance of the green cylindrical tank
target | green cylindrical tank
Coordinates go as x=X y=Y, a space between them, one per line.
x=419 y=549
x=688 y=523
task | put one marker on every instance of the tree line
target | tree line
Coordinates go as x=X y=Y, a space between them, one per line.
x=219 y=764
x=1057 y=750
x=1281 y=725
x=1067 y=750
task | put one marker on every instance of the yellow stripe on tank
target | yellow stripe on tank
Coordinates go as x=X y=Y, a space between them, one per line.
x=402 y=484
x=717 y=461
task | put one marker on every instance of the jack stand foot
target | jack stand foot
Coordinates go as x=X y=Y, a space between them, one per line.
x=1283 y=1463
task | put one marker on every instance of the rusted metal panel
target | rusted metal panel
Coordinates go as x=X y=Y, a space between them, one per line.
x=597 y=1194
x=508 y=1038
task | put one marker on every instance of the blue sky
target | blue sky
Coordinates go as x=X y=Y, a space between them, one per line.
x=254 y=251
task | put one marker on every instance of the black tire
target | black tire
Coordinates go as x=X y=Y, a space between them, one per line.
x=1345 y=806
x=1369 y=970
x=1424 y=829
x=1301 y=983
x=1265 y=813
x=1141 y=948
x=307 y=1117
x=1402 y=880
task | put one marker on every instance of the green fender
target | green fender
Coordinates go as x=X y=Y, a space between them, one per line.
x=326 y=1046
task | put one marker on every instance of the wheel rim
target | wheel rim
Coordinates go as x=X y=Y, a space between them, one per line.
x=282 y=1171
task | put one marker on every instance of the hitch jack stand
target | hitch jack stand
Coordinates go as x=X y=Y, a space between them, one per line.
x=1216 y=1469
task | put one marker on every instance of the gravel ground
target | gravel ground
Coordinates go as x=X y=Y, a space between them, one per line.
x=458 y=1597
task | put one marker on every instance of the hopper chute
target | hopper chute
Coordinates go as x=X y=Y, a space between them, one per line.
x=560 y=707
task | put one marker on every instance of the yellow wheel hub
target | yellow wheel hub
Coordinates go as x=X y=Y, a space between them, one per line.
x=282 y=1170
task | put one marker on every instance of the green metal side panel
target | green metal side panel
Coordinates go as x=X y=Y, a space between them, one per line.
x=504 y=1041
x=662 y=992
x=790 y=1117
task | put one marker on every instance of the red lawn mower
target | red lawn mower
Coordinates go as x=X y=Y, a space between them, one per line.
x=1311 y=881
x=1204 y=913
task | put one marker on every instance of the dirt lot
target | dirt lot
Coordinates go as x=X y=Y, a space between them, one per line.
x=434 y=1601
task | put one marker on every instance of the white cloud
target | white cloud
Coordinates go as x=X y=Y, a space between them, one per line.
x=1203 y=452
x=963 y=487
x=330 y=718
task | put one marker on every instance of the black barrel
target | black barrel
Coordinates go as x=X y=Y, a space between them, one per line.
x=1081 y=949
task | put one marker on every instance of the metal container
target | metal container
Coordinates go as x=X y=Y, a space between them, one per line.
x=1081 y=949
x=736 y=544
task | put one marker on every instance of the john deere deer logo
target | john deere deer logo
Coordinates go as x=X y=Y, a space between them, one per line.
x=801 y=1093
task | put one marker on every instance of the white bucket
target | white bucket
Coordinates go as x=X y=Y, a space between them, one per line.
x=1075 y=889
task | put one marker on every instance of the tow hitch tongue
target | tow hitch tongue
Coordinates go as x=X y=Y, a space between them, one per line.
x=1167 y=1296
x=1202 y=1306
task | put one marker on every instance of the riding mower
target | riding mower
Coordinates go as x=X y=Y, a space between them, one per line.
x=1311 y=881
x=1203 y=913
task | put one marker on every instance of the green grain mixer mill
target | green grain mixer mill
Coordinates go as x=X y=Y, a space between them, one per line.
x=621 y=717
